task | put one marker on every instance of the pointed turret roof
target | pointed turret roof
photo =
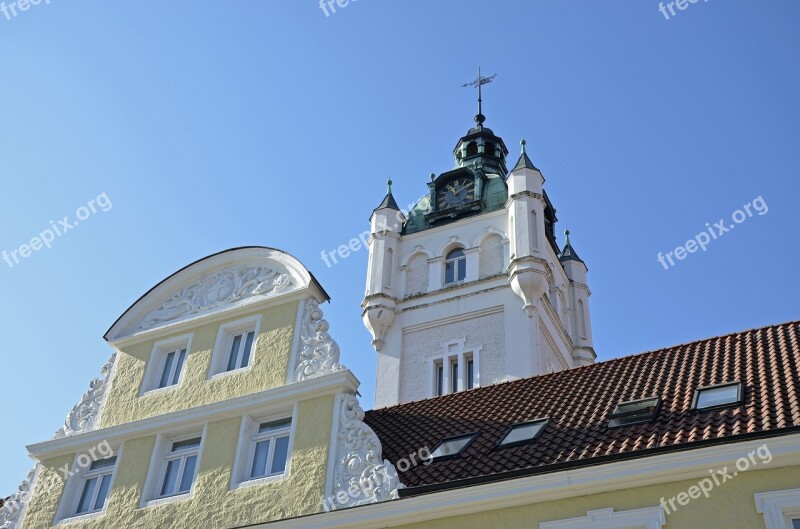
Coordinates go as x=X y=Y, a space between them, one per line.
x=388 y=201
x=569 y=253
x=524 y=162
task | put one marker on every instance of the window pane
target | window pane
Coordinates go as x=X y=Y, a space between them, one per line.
x=183 y=445
x=796 y=523
x=179 y=366
x=454 y=377
x=103 y=492
x=171 y=478
x=455 y=254
x=103 y=463
x=248 y=346
x=523 y=432
x=260 y=460
x=462 y=269
x=470 y=374
x=449 y=272
x=439 y=380
x=188 y=474
x=280 y=456
x=718 y=396
x=237 y=341
x=86 y=495
x=167 y=370
x=451 y=446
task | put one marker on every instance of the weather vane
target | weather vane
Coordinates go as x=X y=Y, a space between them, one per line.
x=478 y=83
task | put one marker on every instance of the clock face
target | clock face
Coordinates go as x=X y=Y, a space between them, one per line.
x=456 y=192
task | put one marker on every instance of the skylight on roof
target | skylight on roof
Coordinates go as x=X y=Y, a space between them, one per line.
x=452 y=446
x=716 y=396
x=524 y=432
x=634 y=412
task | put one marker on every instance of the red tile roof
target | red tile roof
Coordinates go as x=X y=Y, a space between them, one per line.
x=579 y=401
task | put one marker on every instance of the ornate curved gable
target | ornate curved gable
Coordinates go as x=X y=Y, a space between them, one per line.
x=219 y=282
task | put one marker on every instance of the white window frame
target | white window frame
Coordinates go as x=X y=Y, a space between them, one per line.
x=453 y=351
x=68 y=506
x=225 y=336
x=455 y=260
x=779 y=507
x=158 y=359
x=159 y=462
x=648 y=518
x=246 y=448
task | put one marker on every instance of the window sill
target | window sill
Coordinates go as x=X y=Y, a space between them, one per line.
x=224 y=374
x=168 y=499
x=80 y=518
x=260 y=481
x=159 y=391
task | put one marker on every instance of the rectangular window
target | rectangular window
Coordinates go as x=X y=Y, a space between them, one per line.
x=270 y=449
x=796 y=523
x=439 y=379
x=525 y=432
x=241 y=347
x=470 y=373
x=634 y=412
x=454 y=376
x=173 y=366
x=718 y=396
x=96 y=486
x=180 y=467
x=453 y=446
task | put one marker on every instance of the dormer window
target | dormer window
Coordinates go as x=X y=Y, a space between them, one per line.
x=455 y=266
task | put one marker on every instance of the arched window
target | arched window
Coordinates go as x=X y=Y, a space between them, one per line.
x=489 y=148
x=472 y=148
x=455 y=266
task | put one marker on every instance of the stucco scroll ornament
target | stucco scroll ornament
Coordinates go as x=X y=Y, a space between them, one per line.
x=11 y=512
x=84 y=415
x=219 y=289
x=319 y=353
x=360 y=475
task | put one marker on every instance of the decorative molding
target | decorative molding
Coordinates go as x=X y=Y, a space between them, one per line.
x=319 y=353
x=85 y=415
x=221 y=288
x=13 y=509
x=777 y=506
x=359 y=474
x=649 y=518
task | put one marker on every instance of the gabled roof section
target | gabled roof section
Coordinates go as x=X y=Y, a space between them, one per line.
x=580 y=401
x=219 y=282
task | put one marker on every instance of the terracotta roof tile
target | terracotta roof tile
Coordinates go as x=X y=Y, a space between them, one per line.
x=579 y=402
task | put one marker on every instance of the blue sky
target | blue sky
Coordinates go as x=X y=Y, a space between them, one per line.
x=210 y=125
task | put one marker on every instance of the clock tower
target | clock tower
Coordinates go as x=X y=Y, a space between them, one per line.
x=470 y=288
